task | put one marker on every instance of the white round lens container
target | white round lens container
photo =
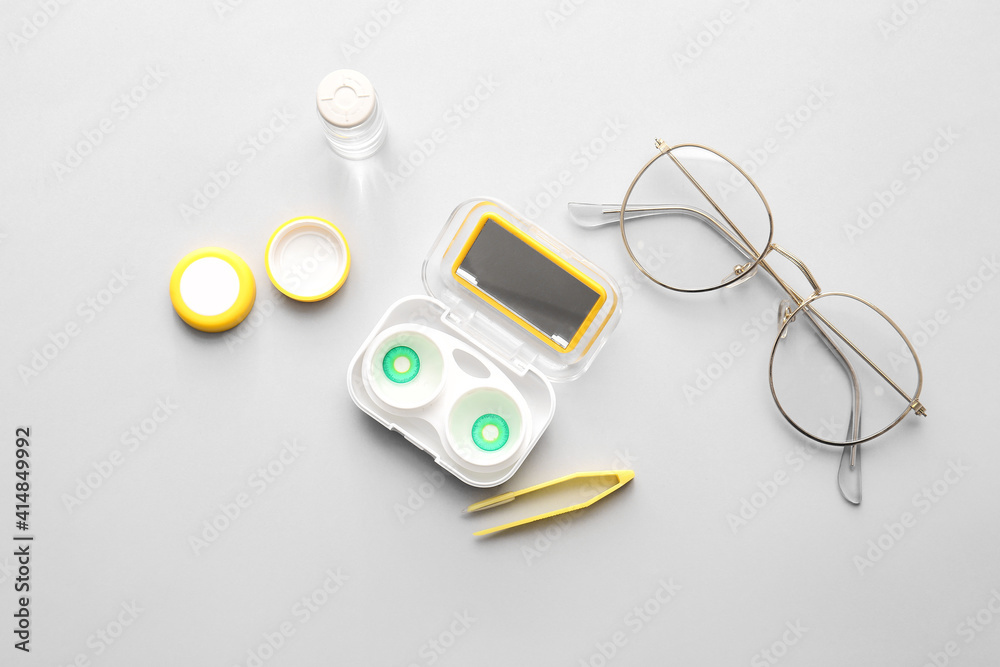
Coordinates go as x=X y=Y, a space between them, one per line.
x=351 y=114
x=486 y=427
x=307 y=259
x=404 y=368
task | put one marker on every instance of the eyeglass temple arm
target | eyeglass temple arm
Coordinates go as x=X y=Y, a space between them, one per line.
x=596 y=215
x=810 y=311
x=593 y=215
x=915 y=404
x=849 y=461
x=855 y=424
x=848 y=468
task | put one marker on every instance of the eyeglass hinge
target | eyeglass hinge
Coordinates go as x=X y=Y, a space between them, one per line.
x=918 y=408
x=661 y=145
x=787 y=316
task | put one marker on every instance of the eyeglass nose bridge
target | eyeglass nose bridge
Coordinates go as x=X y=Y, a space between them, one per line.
x=799 y=264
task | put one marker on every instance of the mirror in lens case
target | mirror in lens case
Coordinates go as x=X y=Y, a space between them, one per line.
x=404 y=368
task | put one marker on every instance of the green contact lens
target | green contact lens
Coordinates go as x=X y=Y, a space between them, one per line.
x=400 y=364
x=490 y=432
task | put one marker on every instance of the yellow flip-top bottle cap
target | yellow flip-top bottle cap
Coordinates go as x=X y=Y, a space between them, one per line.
x=307 y=259
x=212 y=289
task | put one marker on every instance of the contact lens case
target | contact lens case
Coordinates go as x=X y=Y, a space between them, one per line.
x=466 y=373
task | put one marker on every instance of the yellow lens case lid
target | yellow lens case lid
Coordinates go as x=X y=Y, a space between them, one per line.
x=212 y=289
x=307 y=259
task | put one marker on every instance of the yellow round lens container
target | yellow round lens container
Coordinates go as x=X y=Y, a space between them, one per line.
x=212 y=289
x=307 y=259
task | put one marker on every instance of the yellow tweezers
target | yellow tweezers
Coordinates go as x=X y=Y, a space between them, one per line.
x=623 y=477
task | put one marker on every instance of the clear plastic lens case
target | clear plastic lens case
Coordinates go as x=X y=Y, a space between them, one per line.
x=466 y=373
x=493 y=327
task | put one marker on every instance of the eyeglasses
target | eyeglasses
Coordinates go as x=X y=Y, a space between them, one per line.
x=694 y=221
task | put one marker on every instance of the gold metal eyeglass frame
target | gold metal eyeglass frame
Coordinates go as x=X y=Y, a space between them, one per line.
x=850 y=463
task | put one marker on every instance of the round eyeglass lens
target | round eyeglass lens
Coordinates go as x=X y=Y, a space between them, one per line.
x=692 y=217
x=825 y=370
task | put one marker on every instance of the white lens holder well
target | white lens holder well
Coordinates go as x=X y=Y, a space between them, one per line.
x=404 y=367
x=478 y=417
x=483 y=418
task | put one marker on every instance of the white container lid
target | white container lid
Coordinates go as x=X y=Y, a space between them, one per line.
x=307 y=259
x=345 y=98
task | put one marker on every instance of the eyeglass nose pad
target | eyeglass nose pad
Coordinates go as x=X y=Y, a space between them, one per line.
x=742 y=273
x=784 y=315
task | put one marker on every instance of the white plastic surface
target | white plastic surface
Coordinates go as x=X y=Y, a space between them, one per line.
x=433 y=368
x=427 y=426
x=307 y=257
x=486 y=397
x=210 y=286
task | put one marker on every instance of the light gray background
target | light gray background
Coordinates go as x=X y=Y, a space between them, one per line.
x=549 y=594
